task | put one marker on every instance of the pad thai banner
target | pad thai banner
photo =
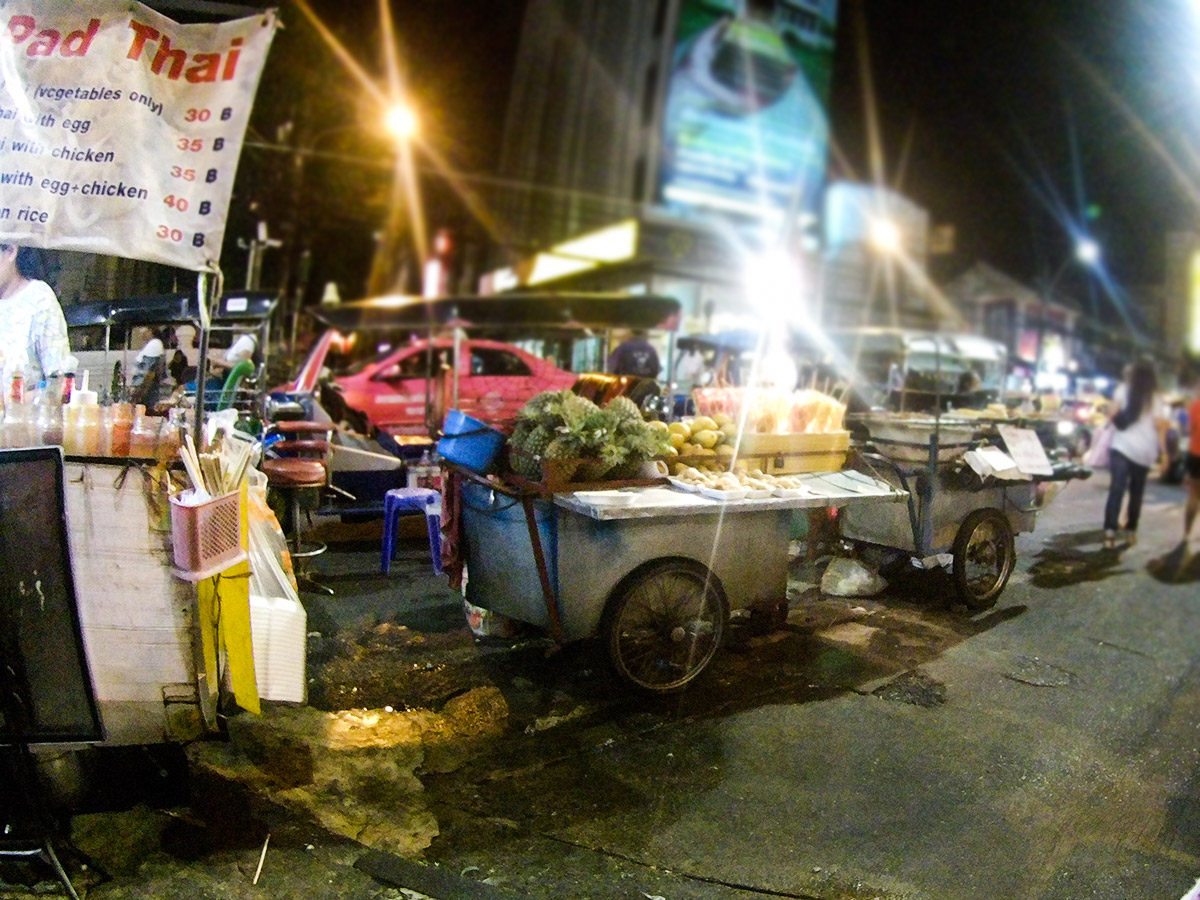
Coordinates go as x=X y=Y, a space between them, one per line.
x=120 y=129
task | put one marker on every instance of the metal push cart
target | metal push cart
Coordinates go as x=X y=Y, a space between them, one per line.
x=653 y=571
x=950 y=509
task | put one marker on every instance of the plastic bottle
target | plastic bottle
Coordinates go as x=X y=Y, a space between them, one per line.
x=49 y=422
x=16 y=425
x=81 y=424
x=16 y=388
x=106 y=427
x=170 y=435
x=122 y=428
x=143 y=439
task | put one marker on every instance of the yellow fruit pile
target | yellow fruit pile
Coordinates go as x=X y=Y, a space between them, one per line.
x=707 y=442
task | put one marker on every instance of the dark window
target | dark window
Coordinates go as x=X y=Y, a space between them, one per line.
x=649 y=94
x=639 y=179
x=660 y=18
x=489 y=361
x=415 y=365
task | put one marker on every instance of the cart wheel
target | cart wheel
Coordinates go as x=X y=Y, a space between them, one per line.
x=983 y=558
x=664 y=622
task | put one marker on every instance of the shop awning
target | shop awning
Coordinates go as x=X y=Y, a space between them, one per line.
x=171 y=309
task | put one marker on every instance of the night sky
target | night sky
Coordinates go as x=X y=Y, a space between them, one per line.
x=1020 y=114
x=1011 y=117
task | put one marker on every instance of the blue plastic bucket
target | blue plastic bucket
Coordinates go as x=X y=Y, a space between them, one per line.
x=468 y=442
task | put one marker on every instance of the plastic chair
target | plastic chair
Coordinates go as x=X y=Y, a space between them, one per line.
x=395 y=504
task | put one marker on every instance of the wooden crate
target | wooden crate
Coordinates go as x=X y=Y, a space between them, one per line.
x=792 y=454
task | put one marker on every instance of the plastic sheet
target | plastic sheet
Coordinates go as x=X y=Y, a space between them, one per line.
x=278 y=623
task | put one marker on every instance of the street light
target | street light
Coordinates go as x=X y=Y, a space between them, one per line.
x=884 y=235
x=1087 y=252
x=401 y=122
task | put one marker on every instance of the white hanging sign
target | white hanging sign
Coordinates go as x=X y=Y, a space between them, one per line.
x=120 y=129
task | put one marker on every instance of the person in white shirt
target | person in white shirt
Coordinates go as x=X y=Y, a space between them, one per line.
x=33 y=331
x=1137 y=442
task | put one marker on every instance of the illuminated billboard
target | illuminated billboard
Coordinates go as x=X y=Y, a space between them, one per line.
x=745 y=127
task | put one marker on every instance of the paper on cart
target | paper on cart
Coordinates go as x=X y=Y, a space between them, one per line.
x=994 y=462
x=1026 y=449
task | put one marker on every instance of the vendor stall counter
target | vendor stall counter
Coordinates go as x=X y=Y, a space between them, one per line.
x=138 y=620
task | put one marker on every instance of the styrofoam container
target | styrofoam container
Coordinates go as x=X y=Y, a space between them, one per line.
x=723 y=495
x=279 y=631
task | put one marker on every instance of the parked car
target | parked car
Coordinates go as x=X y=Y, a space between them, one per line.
x=494 y=381
x=1079 y=419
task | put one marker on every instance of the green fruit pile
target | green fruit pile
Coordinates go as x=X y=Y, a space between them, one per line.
x=582 y=439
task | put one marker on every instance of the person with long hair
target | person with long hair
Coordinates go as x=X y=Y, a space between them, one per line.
x=1136 y=445
x=33 y=331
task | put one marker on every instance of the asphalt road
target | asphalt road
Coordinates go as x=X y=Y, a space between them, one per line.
x=1045 y=749
x=895 y=747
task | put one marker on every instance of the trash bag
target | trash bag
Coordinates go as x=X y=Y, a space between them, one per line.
x=850 y=578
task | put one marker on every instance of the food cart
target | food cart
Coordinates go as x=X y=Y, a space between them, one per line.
x=654 y=570
x=139 y=620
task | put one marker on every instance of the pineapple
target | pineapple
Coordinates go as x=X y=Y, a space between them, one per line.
x=578 y=413
x=528 y=461
x=625 y=410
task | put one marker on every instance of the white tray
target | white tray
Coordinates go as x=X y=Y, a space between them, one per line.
x=682 y=485
x=723 y=495
x=791 y=493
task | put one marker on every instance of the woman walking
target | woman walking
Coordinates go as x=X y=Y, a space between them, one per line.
x=1136 y=445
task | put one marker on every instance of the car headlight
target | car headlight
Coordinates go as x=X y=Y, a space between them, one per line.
x=1065 y=428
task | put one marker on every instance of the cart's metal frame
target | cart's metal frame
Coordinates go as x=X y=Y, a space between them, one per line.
x=583 y=553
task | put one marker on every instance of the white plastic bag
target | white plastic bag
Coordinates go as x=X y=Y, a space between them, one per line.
x=850 y=578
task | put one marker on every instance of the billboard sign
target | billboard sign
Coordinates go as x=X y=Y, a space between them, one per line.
x=120 y=129
x=745 y=128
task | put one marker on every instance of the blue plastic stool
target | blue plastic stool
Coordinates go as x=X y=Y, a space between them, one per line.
x=398 y=501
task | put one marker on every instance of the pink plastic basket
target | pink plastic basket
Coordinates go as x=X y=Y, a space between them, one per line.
x=207 y=538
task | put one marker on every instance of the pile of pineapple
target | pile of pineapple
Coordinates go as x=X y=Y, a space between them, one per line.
x=703 y=442
x=582 y=441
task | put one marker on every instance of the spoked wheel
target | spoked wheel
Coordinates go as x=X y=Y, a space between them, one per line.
x=984 y=556
x=663 y=624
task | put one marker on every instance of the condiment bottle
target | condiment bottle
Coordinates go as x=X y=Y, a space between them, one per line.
x=49 y=423
x=170 y=436
x=144 y=437
x=16 y=424
x=47 y=414
x=122 y=428
x=16 y=389
x=81 y=428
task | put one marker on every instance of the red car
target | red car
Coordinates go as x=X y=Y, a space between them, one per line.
x=494 y=381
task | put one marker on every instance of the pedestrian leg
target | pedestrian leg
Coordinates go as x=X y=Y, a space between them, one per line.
x=1118 y=467
x=1193 y=505
x=1137 y=489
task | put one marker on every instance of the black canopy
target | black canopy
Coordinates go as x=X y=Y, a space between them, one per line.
x=208 y=10
x=545 y=311
x=171 y=309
